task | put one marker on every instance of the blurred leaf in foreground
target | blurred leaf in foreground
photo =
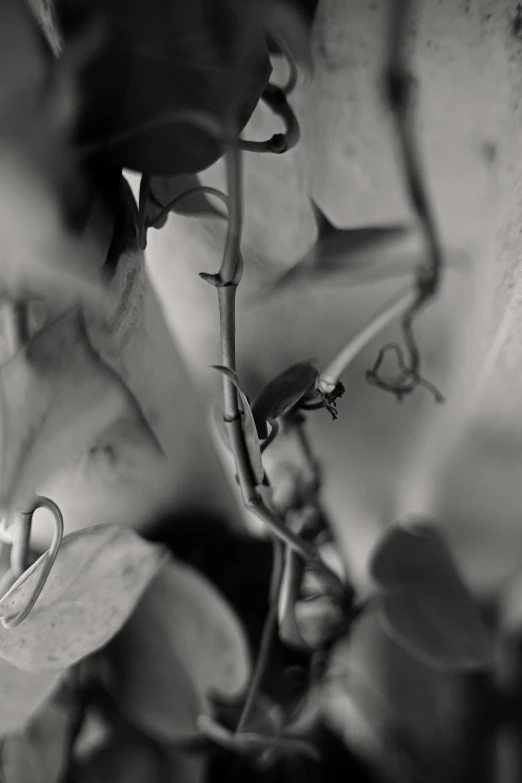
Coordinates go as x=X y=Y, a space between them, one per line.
x=182 y=645
x=98 y=577
x=38 y=173
x=425 y=606
x=406 y=720
x=158 y=58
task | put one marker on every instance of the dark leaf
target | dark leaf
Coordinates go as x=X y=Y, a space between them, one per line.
x=159 y=58
x=182 y=645
x=98 y=577
x=249 y=427
x=282 y=393
x=166 y=190
x=425 y=606
x=408 y=721
x=416 y=553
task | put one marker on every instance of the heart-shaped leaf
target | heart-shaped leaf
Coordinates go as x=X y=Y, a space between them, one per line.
x=182 y=645
x=159 y=58
x=425 y=606
x=413 y=553
x=40 y=753
x=58 y=398
x=282 y=393
x=406 y=720
x=249 y=427
x=167 y=191
x=98 y=577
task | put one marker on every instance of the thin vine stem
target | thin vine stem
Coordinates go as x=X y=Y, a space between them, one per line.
x=226 y=282
x=398 y=84
x=400 y=303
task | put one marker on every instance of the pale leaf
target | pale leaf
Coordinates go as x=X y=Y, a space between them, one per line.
x=98 y=577
x=58 y=398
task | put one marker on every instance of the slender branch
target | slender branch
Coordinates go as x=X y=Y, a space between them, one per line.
x=267 y=636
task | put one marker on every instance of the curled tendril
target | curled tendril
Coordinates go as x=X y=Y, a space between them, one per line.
x=407 y=381
x=275 y=99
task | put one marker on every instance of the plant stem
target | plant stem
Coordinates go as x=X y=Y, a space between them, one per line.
x=227 y=282
x=398 y=305
x=267 y=636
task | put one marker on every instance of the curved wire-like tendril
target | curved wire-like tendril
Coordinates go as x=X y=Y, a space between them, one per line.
x=40 y=502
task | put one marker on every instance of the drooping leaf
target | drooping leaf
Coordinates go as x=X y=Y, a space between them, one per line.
x=166 y=190
x=182 y=645
x=282 y=393
x=98 y=577
x=158 y=58
x=425 y=606
x=40 y=752
x=249 y=427
x=58 y=398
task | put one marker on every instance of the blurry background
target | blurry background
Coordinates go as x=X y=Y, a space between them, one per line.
x=382 y=460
